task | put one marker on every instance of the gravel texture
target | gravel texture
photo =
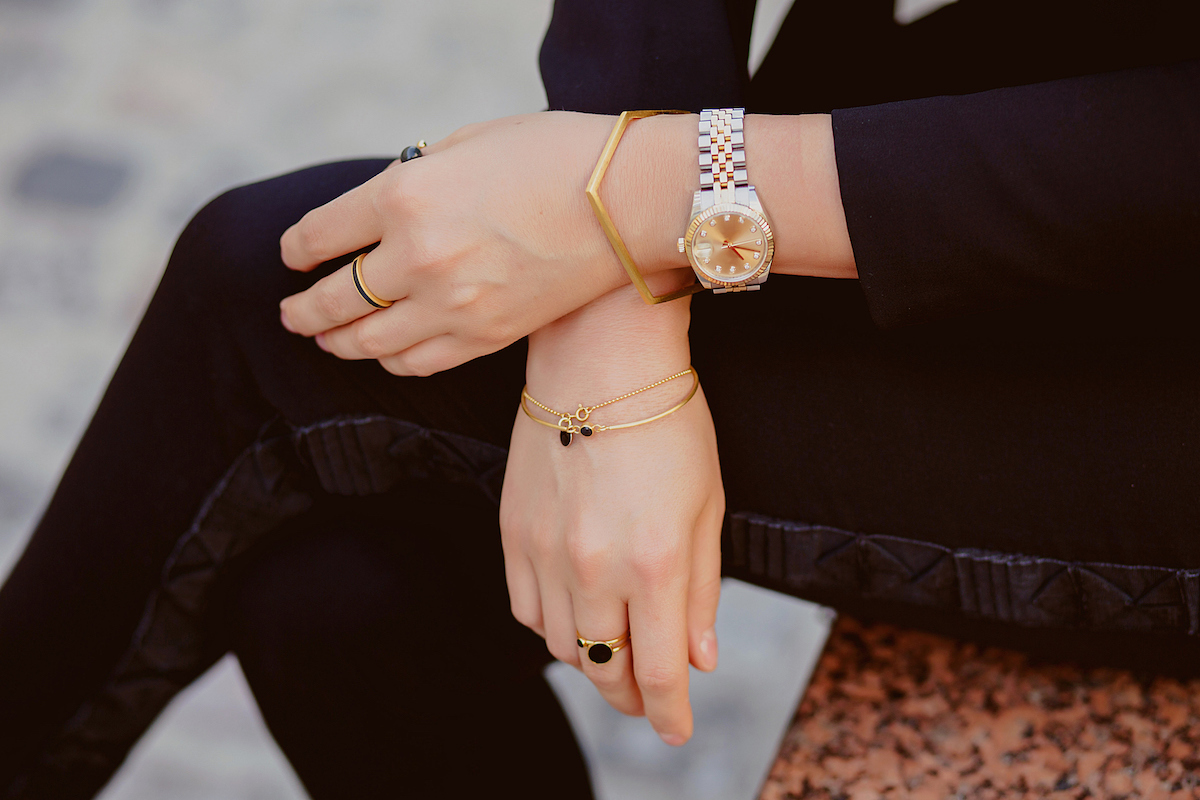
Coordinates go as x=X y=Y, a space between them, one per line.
x=898 y=713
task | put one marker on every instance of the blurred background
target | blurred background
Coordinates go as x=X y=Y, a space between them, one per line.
x=120 y=118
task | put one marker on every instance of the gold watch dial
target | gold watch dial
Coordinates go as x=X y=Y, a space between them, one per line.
x=730 y=243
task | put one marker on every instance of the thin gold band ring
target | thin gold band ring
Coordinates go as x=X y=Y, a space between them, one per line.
x=361 y=285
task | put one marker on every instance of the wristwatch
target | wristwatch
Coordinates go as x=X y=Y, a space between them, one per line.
x=728 y=240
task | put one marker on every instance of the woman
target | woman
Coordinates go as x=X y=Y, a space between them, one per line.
x=990 y=428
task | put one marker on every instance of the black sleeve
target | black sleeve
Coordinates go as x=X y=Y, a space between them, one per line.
x=616 y=55
x=1083 y=185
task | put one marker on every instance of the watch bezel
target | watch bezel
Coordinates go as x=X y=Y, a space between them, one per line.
x=740 y=210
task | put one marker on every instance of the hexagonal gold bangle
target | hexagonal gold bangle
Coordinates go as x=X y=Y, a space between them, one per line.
x=610 y=230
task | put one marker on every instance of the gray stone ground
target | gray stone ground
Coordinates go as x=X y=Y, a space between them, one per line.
x=119 y=118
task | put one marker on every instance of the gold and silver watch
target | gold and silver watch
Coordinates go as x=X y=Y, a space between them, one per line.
x=728 y=241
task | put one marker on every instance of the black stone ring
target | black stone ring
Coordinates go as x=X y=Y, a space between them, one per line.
x=413 y=151
x=602 y=652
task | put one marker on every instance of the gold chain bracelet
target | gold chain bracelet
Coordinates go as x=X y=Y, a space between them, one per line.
x=570 y=424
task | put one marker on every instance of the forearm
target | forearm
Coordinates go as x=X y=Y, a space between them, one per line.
x=791 y=163
x=617 y=342
x=613 y=345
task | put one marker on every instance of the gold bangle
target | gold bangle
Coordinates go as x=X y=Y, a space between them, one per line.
x=570 y=424
x=610 y=230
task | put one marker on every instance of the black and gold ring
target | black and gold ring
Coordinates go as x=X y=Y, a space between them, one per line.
x=359 y=284
x=413 y=151
x=602 y=652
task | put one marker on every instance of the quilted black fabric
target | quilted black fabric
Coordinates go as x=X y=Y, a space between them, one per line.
x=279 y=476
x=1009 y=587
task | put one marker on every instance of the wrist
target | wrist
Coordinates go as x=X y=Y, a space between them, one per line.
x=613 y=345
x=649 y=186
x=648 y=190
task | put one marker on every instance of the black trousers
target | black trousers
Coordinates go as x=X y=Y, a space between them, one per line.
x=335 y=526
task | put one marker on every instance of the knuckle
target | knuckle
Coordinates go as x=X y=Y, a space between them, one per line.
x=406 y=196
x=419 y=365
x=563 y=651
x=431 y=251
x=656 y=562
x=540 y=544
x=368 y=342
x=589 y=561
x=440 y=362
x=328 y=302
x=395 y=198
x=395 y=365
x=526 y=614
x=660 y=679
x=311 y=236
x=464 y=294
x=509 y=521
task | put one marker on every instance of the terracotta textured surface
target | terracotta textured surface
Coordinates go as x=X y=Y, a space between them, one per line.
x=898 y=713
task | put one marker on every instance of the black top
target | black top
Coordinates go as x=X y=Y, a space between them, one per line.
x=1063 y=181
x=1016 y=370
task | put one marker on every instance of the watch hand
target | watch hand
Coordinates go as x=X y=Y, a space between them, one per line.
x=740 y=244
x=734 y=249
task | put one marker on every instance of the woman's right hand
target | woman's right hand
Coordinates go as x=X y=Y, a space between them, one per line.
x=487 y=237
x=620 y=530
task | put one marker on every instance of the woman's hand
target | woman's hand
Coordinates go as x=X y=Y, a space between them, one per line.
x=485 y=239
x=621 y=530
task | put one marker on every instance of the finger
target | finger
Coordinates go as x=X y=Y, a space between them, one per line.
x=429 y=357
x=558 y=616
x=601 y=620
x=334 y=300
x=658 y=631
x=704 y=593
x=385 y=333
x=524 y=597
x=343 y=225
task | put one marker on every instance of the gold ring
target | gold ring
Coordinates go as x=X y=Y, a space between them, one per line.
x=601 y=652
x=361 y=285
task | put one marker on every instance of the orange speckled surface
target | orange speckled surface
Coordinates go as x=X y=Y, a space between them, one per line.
x=898 y=713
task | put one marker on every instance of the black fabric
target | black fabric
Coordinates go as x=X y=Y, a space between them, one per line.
x=1007 y=587
x=1081 y=193
x=218 y=430
x=231 y=464
x=609 y=57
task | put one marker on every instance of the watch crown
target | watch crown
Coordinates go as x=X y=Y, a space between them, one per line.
x=681 y=245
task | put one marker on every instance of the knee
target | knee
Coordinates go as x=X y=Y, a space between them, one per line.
x=315 y=598
x=229 y=251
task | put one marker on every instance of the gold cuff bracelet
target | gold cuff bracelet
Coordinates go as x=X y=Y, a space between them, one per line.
x=610 y=230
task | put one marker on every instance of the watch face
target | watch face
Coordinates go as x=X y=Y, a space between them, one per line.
x=730 y=243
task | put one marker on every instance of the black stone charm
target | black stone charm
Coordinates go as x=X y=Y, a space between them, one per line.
x=586 y=430
x=565 y=438
x=600 y=653
x=410 y=152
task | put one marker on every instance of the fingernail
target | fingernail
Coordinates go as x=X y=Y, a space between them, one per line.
x=673 y=739
x=320 y=339
x=283 y=318
x=708 y=648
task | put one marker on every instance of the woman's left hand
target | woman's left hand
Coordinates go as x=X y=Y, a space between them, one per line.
x=487 y=237
x=620 y=530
